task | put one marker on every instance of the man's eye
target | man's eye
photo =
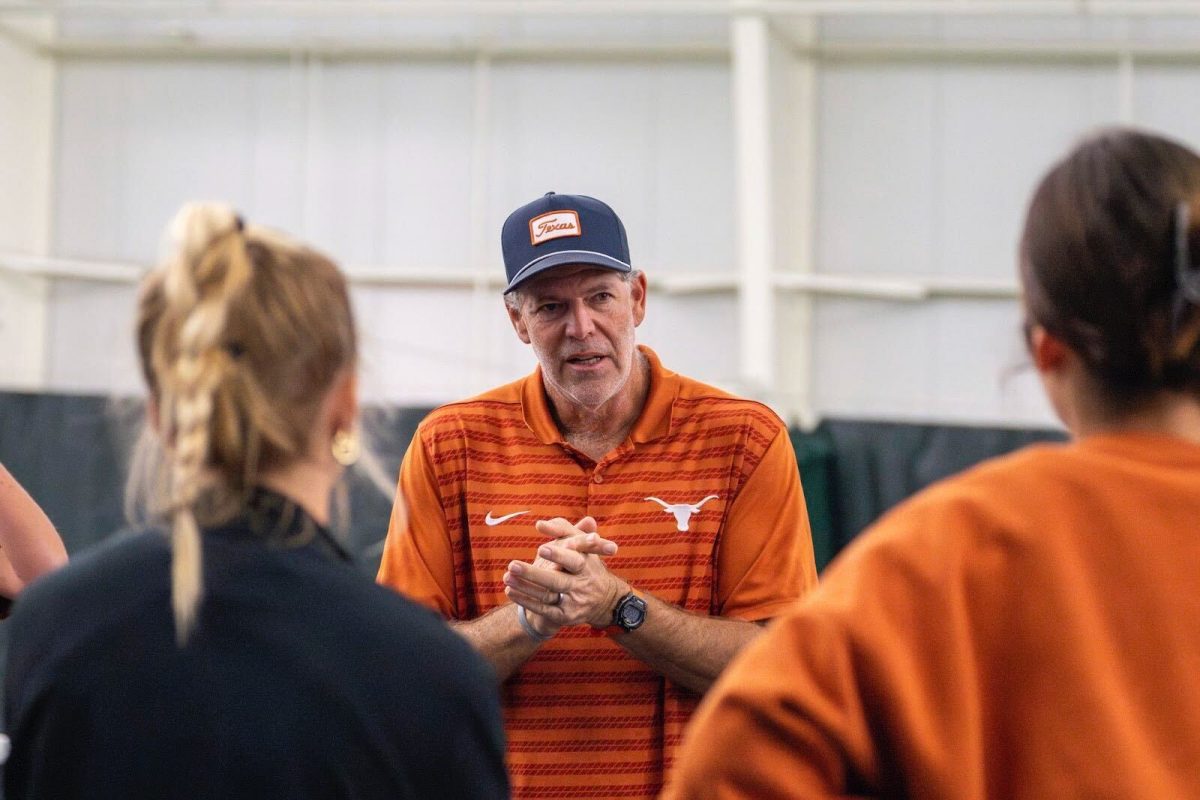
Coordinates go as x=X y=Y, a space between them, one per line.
x=549 y=308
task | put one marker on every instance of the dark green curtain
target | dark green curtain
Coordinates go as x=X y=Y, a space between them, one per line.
x=71 y=453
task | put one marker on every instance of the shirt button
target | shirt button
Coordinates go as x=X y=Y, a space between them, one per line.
x=598 y=478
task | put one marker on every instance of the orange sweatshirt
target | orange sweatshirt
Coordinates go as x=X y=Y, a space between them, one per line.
x=1030 y=628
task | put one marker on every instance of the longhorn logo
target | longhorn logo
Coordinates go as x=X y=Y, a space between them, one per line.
x=683 y=511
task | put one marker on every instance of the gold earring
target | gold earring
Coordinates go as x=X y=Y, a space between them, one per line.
x=346 y=447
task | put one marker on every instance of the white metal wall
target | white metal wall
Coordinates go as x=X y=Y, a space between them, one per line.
x=397 y=165
x=926 y=170
x=26 y=90
x=925 y=164
x=883 y=165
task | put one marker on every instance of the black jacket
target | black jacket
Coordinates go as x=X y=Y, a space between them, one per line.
x=302 y=679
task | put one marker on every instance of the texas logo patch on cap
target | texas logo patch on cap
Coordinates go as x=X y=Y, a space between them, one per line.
x=554 y=225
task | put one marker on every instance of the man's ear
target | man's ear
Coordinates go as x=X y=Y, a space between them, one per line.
x=637 y=293
x=518 y=320
x=1049 y=352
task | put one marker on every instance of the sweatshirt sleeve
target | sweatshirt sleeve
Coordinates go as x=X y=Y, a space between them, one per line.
x=873 y=677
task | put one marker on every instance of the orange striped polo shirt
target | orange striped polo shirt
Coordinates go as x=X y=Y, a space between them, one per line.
x=583 y=717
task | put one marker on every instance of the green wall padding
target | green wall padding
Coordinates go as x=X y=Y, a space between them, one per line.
x=814 y=456
x=71 y=453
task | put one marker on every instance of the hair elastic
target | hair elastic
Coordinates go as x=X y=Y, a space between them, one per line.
x=1187 y=278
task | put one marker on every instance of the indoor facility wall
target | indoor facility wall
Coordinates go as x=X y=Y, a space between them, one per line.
x=26 y=141
x=409 y=166
x=908 y=149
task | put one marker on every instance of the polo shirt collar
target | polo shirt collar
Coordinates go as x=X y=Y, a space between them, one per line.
x=653 y=423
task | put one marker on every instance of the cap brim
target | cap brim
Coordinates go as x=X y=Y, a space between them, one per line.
x=564 y=258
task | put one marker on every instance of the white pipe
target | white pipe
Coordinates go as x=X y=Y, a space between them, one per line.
x=27 y=107
x=978 y=289
x=313 y=73
x=584 y=8
x=482 y=296
x=850 y=286
x=127 y=47
x=43 y=241
x=900 y=287
x=480 y=164
x=20 y=36
x=424 y=278
x=46 y=267
x=1137 y=8
x=359 y=8
x=754 y=209
x=1047 y=52
x=798 y=102
x=699 y=283
x=907 y=288
x=457 y=50
x=670 y=282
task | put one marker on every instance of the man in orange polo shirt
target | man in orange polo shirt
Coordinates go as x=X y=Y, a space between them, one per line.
x=691 y=527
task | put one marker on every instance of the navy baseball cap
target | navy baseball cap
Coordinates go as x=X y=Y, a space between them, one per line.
x=560 y=229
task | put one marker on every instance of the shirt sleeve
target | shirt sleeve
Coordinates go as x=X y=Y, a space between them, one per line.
x=765 y=557
x=418 y=556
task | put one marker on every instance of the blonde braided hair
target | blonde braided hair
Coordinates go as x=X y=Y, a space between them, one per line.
x=241 y=332
x=209 y=270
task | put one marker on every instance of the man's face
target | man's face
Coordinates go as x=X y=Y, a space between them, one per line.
x=580 y=322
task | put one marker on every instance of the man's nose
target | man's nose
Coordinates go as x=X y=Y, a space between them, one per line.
x=579 y=321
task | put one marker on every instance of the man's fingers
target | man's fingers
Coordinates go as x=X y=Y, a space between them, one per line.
x=530 y=589
x=559 y=528
x=556 y=528
x=551 y=580
x=524 y=595
x=583 y=537
x=565 y=557
x=554 y=613
x=589 y=543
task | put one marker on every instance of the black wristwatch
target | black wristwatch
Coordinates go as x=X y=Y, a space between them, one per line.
x=629 y=614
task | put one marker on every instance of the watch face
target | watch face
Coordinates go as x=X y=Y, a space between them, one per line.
x=631 y=613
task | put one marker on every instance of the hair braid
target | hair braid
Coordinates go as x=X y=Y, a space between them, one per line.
x=209 y=270
x=241 y=333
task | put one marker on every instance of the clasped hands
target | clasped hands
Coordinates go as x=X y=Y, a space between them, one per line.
x=568 y=584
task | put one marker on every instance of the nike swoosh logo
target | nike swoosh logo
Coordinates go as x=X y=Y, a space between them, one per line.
x=489 y=520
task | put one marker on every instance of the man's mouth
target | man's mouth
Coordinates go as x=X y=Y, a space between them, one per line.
x=585 y=359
